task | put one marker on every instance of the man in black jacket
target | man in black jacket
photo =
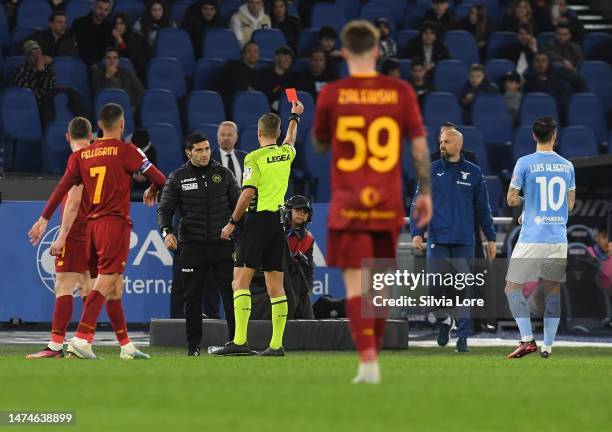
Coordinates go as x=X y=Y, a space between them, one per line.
x=56 y=41
x=93 y=32
x=205 y=194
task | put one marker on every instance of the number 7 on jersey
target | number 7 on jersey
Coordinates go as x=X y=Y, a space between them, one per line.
x=98 y=172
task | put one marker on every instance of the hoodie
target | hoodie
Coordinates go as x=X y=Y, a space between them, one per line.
x=243 y=24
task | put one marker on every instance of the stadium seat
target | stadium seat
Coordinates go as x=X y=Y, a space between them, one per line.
x=268 y=40
x=397 y=9
x=577 y=141
x=494 y=12
x=5 y=38
x=499 y=40
x=56 y=149
x=264 y=63
x=174 y=42
x=351 y=8
x=413 y=16
x=168 y=145
x=591 y=40
x=450 y=76
x=318 y=167
x=210 y=130
x=248 y=106
x=585 y=110
x=166 y=73
x=462 y=10
x=134 y=8
x=11 y=64
x=474 y=142
x=405 y=66
x=159 y=106
x=247 y=139
x=33 y=13
x=544 y=38
x=403 y=38
x=62 y=110
x=220 y=43
x=496 y=69
x=440 y=107
x=343 y=69
x=72 y=72
x=496 y=193
x=536 y=105
x=328 y=14
x=204 y=106
x=373 y=10
x=227 y=8
x=462 y=46
x=117 y=96
x=307 y=117
x=178 y=9
x=300 y=65
x=490 y=115
x=309 y=38
x=206 y=73
x=19 y=36
x=598 y=76
x=76 y=9
x=524 y=143
x=21 y=126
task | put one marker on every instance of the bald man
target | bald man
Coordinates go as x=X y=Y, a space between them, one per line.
x=460 y=197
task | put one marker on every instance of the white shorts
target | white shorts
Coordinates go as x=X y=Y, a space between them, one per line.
x=532 y=261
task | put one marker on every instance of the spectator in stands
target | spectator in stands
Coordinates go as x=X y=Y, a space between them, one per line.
x=313 y=79
x=55 y=41
x=227 y=154
x=249 y=17
x=440 y=14
x=388 y=47
x=427 y=46
x=200 y=17
x=239 y=75
x=93 y=32
x=521 y=53
x=512 y=94
x=291 y=26
x=273 y=80
x=419 y=80
x=58 y=5
x=519 y=14
x=562 y=51
x=35 y=73
x=477 y=83
x=327 y=42
x=557 y=14
x=601 y=252
x=114 y=76
x=477 y=23
x=390 y=67
x=156 y=16
x=131 y=44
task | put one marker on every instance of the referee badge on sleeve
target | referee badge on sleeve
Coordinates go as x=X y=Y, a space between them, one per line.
x=246 y=175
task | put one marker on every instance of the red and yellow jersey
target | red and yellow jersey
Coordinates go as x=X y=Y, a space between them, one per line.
x=78 y=231
x=366 y=118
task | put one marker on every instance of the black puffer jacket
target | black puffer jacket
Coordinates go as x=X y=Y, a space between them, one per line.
x=205 y=198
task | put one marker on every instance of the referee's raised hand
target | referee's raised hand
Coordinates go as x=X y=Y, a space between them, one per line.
x=297 y=107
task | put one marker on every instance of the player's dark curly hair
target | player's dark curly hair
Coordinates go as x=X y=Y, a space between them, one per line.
x=544 y=128
x=110 y=114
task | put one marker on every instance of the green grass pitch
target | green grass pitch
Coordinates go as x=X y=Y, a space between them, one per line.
x=423 y=389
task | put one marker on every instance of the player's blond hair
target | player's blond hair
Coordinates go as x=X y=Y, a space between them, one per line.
x=359 y=37
x=269 y=125
x=79 y=128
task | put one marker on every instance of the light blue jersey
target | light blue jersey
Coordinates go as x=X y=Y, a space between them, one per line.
x=545 y=178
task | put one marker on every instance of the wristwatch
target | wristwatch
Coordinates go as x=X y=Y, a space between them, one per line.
x=232 y=221
x=165 y=232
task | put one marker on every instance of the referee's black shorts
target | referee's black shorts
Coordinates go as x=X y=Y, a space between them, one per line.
x=262 y=242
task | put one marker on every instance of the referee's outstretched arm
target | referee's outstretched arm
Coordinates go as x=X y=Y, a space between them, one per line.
x=296 y=110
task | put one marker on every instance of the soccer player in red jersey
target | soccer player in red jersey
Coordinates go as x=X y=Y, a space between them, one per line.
x=105 y=169
x=364 y=118
x=72 y=268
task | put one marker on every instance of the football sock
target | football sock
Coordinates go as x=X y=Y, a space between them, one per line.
x=552 y=312
x=114 y=309
x=89 y=318
x=362 y=331
x=61 y=318
x=279 y=319
x=520 y=312
x=242 y=312
x=379 y=332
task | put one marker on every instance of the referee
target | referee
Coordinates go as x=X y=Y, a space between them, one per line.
x=262 y=240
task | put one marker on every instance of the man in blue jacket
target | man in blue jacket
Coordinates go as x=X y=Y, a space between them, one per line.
x=460 y=199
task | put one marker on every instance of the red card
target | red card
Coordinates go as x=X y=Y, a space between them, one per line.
x=291 y=95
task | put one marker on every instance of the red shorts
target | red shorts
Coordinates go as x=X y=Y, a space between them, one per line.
x=347 y=249
x=74 y=258
x=109 y=243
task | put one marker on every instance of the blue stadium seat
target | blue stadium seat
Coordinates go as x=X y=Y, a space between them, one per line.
x=577 y=141
x=62 y=110
x=499 y=40
x=544 y=38
x=168 y=144
x=210 y=130
x=227 y=8
x=33 y=13
x=11 y=64
x=178 y=9
x=5 y=38
x=72 y=72
x=318 y=167
x=268 y=40
x=474 y=142
x=126 y=63
x=300 y=65
x=173 y=42
x=76 y=9
x=19 y=36
x=524 y=143
x=397 y=9
x=535 y=105
x=204 y=106
x=433 y=140
x=220 y=43
x=462 y=10
x=343 y=71
x=591 y=40
x=598 y=76
x=351 y=8
x=403 y=38
x=309 y=38
x=494 y=12
x=307 y=117
x=405 y=66
x=166 y=73
x=57 y=150
x=247 y=138
x=413 y=16
x=264 y=63
x=496 y=194
x=134 y=8
x=440 y=107
x=248 y=106
x=496 y=69
x=159 y=106
x=117 y=96
x=21 y=125
x=374 y=10
x=450 y=76
x=462 y=46
x=206 y=73
x=328 y=14
x=585 y=110
x=490 y=115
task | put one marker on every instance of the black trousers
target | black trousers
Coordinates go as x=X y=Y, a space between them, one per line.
x=211 y=301
x=200 y=264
